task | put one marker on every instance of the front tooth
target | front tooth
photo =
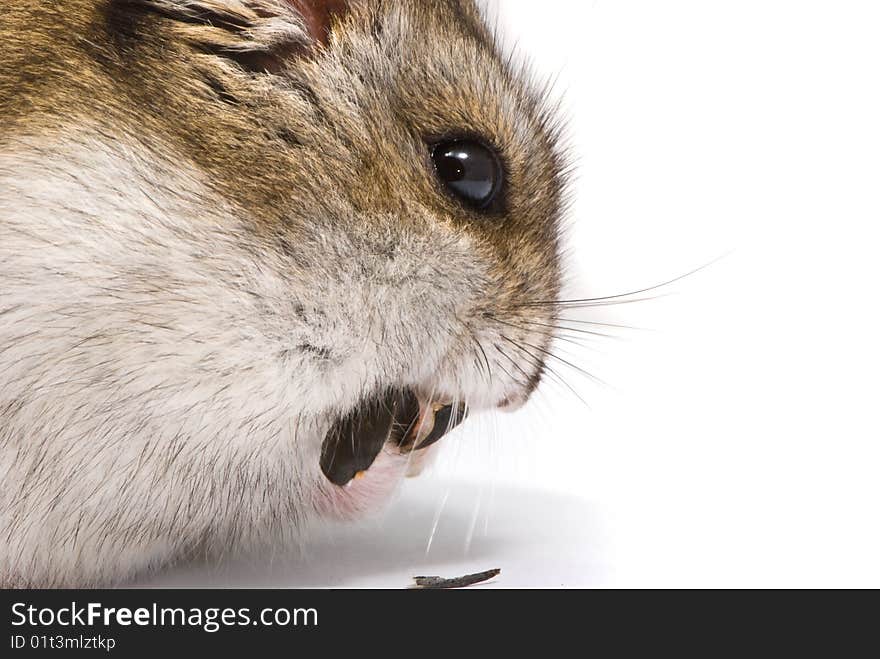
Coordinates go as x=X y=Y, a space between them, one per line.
x=426 y=423
x=447 y=422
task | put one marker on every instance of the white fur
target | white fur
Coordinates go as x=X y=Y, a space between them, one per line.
x=154 y=396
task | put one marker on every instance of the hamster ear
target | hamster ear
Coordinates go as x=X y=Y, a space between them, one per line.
x=259 y=34
x=318 y=16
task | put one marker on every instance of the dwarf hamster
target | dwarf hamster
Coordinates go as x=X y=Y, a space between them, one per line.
x=256 y=258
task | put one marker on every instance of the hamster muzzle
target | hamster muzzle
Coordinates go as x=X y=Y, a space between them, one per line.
x=258 y=258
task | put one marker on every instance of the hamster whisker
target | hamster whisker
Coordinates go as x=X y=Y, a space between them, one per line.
x=620 y=298
x=409 y=457
x=538 y=363
x=456 y=404
x=579 y=341
x=479 y=366
x=469 y=534
x=485 y=359
x=437 y=515
x=588 y=304
x=580 y=321
x=599 y=301
x=570 y=364
x=576 y=330
x=553 y=355
x=516 y=365
x=531 y=360
x=575 y=336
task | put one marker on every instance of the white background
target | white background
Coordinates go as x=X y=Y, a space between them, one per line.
x=736 y=441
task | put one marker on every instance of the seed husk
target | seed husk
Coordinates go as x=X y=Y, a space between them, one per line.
x=440 y=583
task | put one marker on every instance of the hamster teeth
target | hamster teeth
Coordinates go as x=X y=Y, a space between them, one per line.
x=424 y=426
x=398 y=418
x=435 y=421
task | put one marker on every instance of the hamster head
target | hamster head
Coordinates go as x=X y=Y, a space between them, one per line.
x=334 y=223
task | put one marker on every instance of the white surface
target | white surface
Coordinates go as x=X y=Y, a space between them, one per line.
x=737 y=443
x=513 y=532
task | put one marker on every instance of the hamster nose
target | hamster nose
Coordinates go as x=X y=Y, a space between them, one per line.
x=517 y=400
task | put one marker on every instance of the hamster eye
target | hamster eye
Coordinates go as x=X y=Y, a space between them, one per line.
x=470 y=171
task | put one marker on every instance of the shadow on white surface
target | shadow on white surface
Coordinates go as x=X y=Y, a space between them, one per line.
x=537 y=539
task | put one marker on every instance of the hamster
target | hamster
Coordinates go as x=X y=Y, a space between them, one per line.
x=257 y=258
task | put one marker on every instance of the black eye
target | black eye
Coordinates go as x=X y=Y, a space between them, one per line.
x=470 y=171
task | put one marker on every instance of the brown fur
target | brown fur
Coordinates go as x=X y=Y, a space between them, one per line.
x=320 y=129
